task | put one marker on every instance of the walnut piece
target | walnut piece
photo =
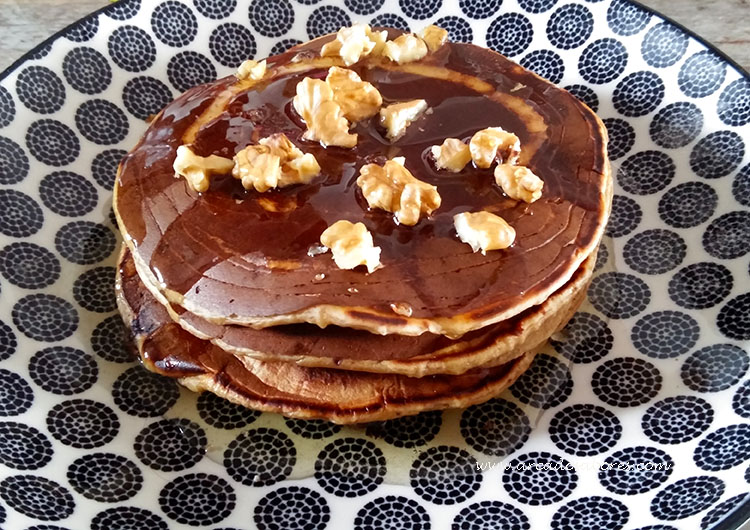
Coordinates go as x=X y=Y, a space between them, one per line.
x=274 y=163
x=323 y=116
x=484 y=231
x=452 y=155
x=198 y=170
x=405 y=48
x=354 y=42
x=252 y=70
x=494 y=144
x=434 y=37
x=394 y=189
x=296 y=167
x=358 y=99
x=519 y=182
x=257 y=167
x=398 y=116
x=351 y=245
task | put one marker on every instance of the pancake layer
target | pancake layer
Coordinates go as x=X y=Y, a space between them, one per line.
x=238 y=257
x=295 y=391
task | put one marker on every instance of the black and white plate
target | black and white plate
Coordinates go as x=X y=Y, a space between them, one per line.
x=637 y=417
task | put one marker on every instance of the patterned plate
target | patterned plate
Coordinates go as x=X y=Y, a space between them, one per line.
x=636 y=416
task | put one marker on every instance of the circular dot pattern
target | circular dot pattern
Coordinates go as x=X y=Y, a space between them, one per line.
x=171 y=445
x=545 y=384
x=23 y=447
x=290 y=507
x=686 y=497
x=408 y=431
x=445 y=475
x=260 y=457
x=350 y=467
x=221 y=413
x=626 y=382
x=539 y=478
x=144 y=394
x=619 y=295
x=28 y=265
x=495 y=428
x=715 y=368
x=677 y=419
x=588 y=338
x=83 y=423
x=63 y=370
x=655 y=251
x=197 y=499
x=635 y=470
x=584 y=430
x=37 y=497
x=393 y=512
x=664 y=334
x=105 y=477
x=688 y=204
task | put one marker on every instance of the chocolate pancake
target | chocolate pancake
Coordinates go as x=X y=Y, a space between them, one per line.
x=295 y=391
x=239 y=257
x=415 y=356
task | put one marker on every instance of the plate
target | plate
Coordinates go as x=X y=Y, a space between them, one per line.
x=636 y=415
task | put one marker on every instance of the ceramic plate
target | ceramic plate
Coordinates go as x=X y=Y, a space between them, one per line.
x=636 y=416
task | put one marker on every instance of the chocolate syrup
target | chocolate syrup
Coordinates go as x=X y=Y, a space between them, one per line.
x=221 y=249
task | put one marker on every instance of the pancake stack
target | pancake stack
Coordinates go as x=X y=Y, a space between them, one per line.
x=226 y=283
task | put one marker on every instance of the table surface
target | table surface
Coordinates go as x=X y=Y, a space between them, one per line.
x=25 y=23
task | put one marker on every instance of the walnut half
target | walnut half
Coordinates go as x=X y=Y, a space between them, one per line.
x=494 y=144
x=519 y=182
x=351 y=245
x=197 y=170
x=324 y=117
x=394 y=189
x=358 y=99
x=274 y=163
x=484 y=231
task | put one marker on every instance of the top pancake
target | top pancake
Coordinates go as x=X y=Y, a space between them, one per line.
x=240 y=257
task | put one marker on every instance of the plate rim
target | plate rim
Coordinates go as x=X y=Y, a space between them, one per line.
x=103 y=10
x=737 y=517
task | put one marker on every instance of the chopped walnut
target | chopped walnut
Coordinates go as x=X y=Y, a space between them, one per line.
x=351 y=245
x=296 y=167
x=299 y=170
x=398 y=116
x=494 y=144
x=484 y=231
x=274 y=163
x=405 y=48
x=354 y=42
x=394 y=189
x=452 y=155
x=379 y=38
x=434 y=37
x=252 y=70
x=257 y=167
x=519 y=182
x=198 y=170
x=358 y=99
x=324 y=118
